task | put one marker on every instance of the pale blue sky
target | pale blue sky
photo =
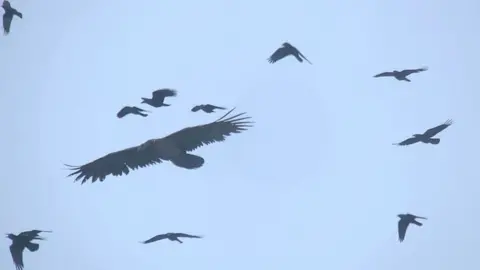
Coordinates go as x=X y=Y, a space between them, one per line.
x=316 y=184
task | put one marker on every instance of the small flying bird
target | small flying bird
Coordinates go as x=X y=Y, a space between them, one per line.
x=286 y=50
x=401 y=75
x=208 y=108
x=8 y=16
x=20 y=242
x=405 y=220
x=132 y=110
x=158 y=97
x=174 y=148
x=170 y=236
x=427 y=136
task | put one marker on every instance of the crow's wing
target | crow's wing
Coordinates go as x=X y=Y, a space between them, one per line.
x=7 y=21
x=197 y=108
x=191 y=138
x=162 y=93
x=402 y=229
x=32 y=233
x=17 y=255
x=155 y=238
x=117 y=163
x=384 y=74
x=408 y=141
x=407 y=72
x=434 y=131
x=215 y=107
x=124 y=111
x=186 y=235
x=279 y=54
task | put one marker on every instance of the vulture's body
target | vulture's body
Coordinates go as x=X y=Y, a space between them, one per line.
x=401 y=75
x=286 y=50
x=405 y=220
x=208 y=108
x=427 y=136
x=170 y=236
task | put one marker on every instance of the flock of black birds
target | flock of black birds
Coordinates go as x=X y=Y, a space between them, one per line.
x=177 y=146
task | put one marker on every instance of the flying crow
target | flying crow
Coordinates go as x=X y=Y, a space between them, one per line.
x=131 y=110
x=427 y=136
x=401 y=75
x=208 y=108
x=8 y=16
x=20 y=242
x=405 y=220
x=174 y=147
x=158 y=97
x=170 y=236
x=286 y=50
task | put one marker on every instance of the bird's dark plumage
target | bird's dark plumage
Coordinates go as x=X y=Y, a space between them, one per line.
x=405 y=220
x=169 y=236
x=286 y=50
x=208 y=108
x=8 y=16
x=158 y=97
x=427 y=136
x=20 y=242
x=401 y=75
x=174 y=148
x=131 y=110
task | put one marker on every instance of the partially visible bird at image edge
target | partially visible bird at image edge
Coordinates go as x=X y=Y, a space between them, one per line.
x=8 y=16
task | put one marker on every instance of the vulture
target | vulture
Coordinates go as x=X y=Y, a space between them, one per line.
x=158 y=97
x=20 y=242
x=8 y=16
x=169 y=236
x=174 y=148
x=427 y=136
x=401 y=75
x=286 y=50
x=208 y=108
x=131 y=110
x=405 y=220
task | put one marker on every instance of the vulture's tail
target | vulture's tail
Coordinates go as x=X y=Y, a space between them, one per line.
x=188 y=161
x=434 y=141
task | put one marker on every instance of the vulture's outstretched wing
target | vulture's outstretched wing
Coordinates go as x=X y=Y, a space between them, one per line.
x=124 y=111
x=407 y=72
x=408 y=141
x=434 y=131
x=117 y=163
x=17 y=256
x=191 y=138
x=384 y=74
x=187 y=235
x=197 y=108
x=32 y=233
x=7 y=21
x=162 y=93
x=402 y=229
x=280 y=53
x=155 y=238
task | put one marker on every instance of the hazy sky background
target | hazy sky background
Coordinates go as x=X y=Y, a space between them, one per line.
x=316 y=184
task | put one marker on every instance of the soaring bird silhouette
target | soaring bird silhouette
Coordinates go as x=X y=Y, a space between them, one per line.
x=8 y=16
x=427 y=136
x=170 y=236
x=405 y=220
x=20 y=242
x=286 y=50
x=401 y=75
x=208 y=108
x=174 y=147
x=158 y=97
x=131 y=110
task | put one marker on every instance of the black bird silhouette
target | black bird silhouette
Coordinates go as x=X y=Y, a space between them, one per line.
x=427 y=136
x=158 y=97
x=170 y=236
x=131 y=110
x=208 y=108
x=174 y=147
x=8 y=16
x=405 y=220
x=20 y=242
x=286 y=50
x=401 y=75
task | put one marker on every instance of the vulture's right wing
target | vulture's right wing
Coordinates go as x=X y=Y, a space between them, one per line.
x=165 y=92
x=124 y=111
x=155 y=238
x=7 y=21
x=17 y=256
x=408 y=141
x=384 y=74
x=280 y=53
x=402 y=229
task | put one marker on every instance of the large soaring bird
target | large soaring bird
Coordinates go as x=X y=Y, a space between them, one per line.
x=174 y=147
x=20 y=242
x=158 y=97
x=131 y=110
x=401 y=75
x=169 y=236
x=286 y=50
x=208 y=108
x=8 y=16
x=405 y=220
x=427 y=136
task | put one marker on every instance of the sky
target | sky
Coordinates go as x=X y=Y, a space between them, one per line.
x=315 y=184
